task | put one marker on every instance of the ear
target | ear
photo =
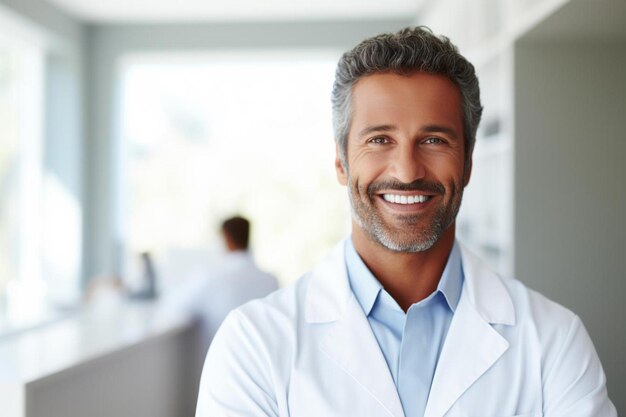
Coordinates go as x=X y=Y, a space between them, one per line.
x=342 y=175
x=468 y=172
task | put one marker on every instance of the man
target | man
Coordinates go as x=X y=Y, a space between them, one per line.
x=211 y=295
x=401 y=320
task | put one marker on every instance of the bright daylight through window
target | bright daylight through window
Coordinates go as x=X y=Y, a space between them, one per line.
x=207 y=137
x=22 y=287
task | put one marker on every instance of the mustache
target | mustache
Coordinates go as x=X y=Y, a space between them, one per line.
x=417 y=185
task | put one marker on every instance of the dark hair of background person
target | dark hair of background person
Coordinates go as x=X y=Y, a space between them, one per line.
x=237 y=229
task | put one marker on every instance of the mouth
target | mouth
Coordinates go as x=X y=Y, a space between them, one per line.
x=405 y=199
x=398 y=198
x=405 y=202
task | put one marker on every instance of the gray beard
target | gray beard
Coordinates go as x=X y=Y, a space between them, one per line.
x=369 y=221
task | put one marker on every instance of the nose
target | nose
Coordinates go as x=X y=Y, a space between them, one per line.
x=406 y=165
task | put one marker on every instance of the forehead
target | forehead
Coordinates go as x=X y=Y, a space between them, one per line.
x=416 y=99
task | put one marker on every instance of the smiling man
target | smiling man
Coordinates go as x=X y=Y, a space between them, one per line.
x=400 y=319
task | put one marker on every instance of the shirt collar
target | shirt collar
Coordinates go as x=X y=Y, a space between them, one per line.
x=363 y=283
x=451 y=283
x=366 y=287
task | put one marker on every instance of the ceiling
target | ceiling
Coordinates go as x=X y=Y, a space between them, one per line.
x=161 y=11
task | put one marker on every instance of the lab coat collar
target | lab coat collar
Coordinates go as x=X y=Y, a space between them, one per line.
x=329 y=289
x=486 y=291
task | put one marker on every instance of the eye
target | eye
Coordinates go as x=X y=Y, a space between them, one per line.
x=378 y=140
x=433 y=140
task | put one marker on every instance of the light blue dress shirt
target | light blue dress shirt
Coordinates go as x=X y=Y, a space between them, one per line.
x=411 y=343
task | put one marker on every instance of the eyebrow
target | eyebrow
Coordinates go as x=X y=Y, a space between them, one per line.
x=428 y=129
x=376 y=128
x=440 y=129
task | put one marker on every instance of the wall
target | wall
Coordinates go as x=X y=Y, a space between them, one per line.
x=108 y=44
x=570 y=231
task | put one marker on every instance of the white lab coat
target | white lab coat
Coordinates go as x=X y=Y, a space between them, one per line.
x=308 y=350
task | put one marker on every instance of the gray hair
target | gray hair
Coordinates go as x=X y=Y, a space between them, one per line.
x=405 y=52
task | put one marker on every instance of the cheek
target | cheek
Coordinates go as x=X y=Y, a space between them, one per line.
x=367 y=166
x=447 y=168
x=357 y=187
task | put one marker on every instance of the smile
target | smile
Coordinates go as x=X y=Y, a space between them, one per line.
x=406 y=199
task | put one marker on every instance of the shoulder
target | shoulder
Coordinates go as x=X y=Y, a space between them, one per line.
x=509 y=301
x=278 y=312
x=314 y=297
x=533 y=324
x=530 y=305
x=254 y=348
x=268 y=323
x=540 y=324
x=572 y=378
x=558 y=339
x=552 y=325
x=248 y=363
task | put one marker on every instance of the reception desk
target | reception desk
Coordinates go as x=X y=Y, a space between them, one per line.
x=126 y=361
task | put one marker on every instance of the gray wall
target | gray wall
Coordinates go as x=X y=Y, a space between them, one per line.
x=108 y=44
x=570 y=198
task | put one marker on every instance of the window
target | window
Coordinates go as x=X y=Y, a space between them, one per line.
x=22 y=289
x=207 y=137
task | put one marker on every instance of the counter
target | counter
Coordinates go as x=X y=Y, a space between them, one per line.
x=129 y=360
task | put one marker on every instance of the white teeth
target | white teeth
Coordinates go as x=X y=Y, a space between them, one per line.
x=403 y=199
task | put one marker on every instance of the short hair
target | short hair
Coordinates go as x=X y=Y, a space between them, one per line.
x=238 y=229
x=405 y=52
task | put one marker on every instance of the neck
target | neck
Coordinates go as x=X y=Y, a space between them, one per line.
x=407 y=276
x=237 y=250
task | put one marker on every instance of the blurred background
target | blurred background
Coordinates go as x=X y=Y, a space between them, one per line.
x=136 y=126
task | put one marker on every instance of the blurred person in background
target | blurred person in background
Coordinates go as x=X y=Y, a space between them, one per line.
x=210 y=295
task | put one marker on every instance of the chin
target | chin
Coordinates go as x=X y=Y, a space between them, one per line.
x=408 y=247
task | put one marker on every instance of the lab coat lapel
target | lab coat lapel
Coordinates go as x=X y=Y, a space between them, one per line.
x=347 y=339
x=472 y=345
x=350 y=343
